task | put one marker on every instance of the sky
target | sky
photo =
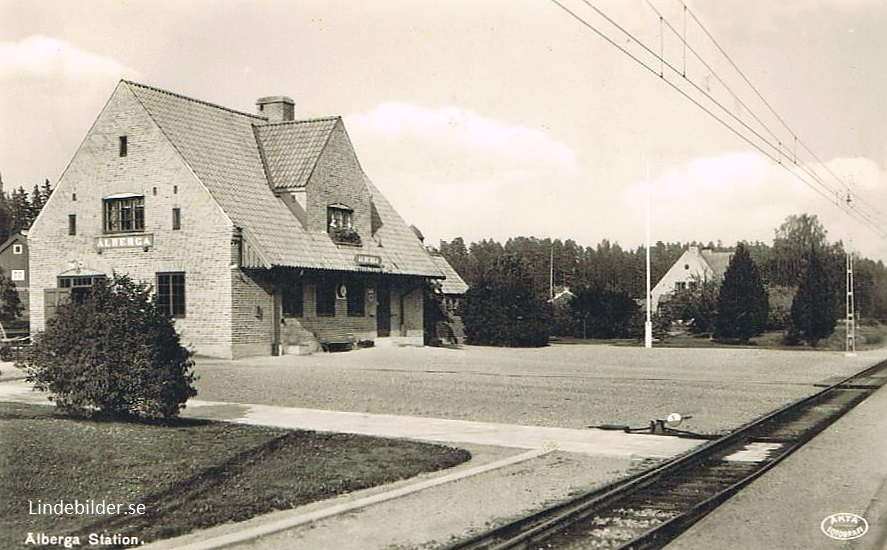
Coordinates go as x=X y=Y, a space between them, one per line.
x=504 y=118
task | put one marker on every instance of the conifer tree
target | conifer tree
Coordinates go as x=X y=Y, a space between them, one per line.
x=813 y=308
x=742 y=300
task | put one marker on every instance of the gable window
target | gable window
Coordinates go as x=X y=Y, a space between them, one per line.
x=17 y=249
x=176 y=219
x=680 y=285
x=325 y=297
x=356 y=297
x=123 y=150
x=124 y=213
x=171 y=293
x=340 y=224
x=72 y=224
x=293 y=305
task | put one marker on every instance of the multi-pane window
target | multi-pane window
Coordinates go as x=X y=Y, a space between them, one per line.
x=325 y=298
x=680 y=285
x=292 y=299
x=339 y=218
x=125 y=214
x=79 y=286
x=171 y=293
x=340 y=225
x=356 y=299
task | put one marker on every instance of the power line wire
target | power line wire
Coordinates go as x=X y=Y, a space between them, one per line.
x=828 y=193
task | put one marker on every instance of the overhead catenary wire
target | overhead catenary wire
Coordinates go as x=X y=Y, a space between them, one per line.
x=791 y=155
x=878 y=213
x=775 y=152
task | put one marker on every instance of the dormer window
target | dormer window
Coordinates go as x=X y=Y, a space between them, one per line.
x=124 y=213
x=338 y=217
x=340 y=224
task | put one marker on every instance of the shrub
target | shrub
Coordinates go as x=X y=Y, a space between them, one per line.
x=501 y=308
x=112 y=353
x=603 y=313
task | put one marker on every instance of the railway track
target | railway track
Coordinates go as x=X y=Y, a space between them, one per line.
x=648 y=510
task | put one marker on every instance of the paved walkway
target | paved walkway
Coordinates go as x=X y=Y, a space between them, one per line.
x=590 y=442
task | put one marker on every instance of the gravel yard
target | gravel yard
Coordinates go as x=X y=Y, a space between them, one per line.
x=569 y=386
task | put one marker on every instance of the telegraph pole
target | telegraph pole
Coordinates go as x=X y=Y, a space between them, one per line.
x=648 y=325
x=850 y=303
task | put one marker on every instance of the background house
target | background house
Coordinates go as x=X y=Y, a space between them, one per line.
x=695 y=266
x=14 y=263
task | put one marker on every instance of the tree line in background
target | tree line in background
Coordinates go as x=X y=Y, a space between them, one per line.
x=19 y=209
x=788 y=284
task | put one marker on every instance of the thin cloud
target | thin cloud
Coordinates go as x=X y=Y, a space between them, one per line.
x=453 y=145
x=46 y=57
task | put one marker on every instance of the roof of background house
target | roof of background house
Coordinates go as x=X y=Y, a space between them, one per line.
x=18 y=237
x=718 y=261
x=222 y=148
x=453 y=284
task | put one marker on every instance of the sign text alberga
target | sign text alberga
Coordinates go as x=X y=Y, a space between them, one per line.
x=130 y=241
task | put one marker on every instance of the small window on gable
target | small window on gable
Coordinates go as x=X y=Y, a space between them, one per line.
x=17 y=249
x=124 y=146
x=72 y=224
x=176 y=218
x=680 y=285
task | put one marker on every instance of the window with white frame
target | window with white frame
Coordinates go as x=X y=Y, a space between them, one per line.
x=124 y=213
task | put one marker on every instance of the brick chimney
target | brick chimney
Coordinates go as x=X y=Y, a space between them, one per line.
x=278 y=108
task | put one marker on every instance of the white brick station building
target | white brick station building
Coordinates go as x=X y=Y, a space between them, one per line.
x=260 y=233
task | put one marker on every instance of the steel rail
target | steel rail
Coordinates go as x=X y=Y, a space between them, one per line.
x=547 y=523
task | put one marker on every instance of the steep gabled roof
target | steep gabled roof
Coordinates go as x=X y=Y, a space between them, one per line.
x=291 y=149
x=222 y=148
x=717 y=261
x=453 y=284
x=17 y=238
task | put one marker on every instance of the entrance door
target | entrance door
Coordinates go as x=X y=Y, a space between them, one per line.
x=383 y=310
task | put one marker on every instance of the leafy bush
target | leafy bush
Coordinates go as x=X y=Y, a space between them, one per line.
x=697 y=307
x=112 y=353
x=603 y=313
x=502 y=309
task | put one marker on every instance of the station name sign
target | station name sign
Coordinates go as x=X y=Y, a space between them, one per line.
x=368 y=260
x=131 y=241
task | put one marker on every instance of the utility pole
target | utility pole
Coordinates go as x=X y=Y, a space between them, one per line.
x=850 y=303
x=648 y=325
x=551 y=272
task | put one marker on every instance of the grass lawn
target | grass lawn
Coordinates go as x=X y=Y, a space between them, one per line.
x=190 y=475
x=867 y=337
